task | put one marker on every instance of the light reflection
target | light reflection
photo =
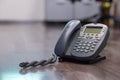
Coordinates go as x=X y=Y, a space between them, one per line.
x=17 y=76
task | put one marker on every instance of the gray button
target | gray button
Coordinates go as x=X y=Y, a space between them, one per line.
x=80 y=44
x=91 y=49
x=86 y=51
x=78 y=47
x=88 y=45
x=87 y=48
x=77 y=50
x=84 y=44
x=95 y=41
x=90 y=37
x=81 y=50
x=83 y=47
x=90 y=42
x=93 y=46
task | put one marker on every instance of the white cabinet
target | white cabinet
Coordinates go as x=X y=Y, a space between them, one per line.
x=64 y=10
x=58 y=10
x=85 y=10
x=45 y=10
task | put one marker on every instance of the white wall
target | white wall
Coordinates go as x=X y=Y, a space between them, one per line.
x=21 y=10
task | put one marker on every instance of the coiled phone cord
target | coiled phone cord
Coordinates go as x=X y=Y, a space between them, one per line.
x=39 y=63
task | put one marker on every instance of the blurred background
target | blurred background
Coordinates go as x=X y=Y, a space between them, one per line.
x=29 y=30
x=51 y=10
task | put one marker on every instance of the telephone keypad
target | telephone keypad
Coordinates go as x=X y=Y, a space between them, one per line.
x=84 y=46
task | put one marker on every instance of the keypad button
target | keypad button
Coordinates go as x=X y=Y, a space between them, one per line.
x=88 y=45
x=93 y=46
x=87 y=48
x=78 y=47
x=95 y=41
x=80 y=44
x=90 y=37
x=84 y=44
x=81 y=50
x=83 y=47
x=77 y=50
x=91 y=49
x=86 y=51
x=90 y=42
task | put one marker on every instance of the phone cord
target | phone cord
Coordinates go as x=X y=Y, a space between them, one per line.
x=39 y=63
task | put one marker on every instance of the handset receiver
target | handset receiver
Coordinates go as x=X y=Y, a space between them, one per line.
x=63 y=41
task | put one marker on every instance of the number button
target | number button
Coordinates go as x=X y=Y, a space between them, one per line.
x=83 y=47
x=86 y=51
x=81 y=50
x=77 y=50
x=95 y=41
x=84 y=44
x=78 y=47
x=80 y=44
x=88 y=45
x=90 y=42
x=93 y=46
x=87 y=48
x=91 y=49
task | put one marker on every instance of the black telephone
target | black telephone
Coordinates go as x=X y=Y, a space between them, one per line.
x=82 y=43
x=78 y=43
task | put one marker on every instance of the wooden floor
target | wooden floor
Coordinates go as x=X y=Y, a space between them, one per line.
x=29 y=42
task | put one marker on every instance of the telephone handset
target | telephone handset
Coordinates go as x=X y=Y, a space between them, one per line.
x=77 y=43
x=65 y=37
x=82 y=43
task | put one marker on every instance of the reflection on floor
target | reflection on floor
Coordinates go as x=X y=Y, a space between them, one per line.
x=29 y=42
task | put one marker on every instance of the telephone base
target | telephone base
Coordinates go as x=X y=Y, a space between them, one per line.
x=97 y=59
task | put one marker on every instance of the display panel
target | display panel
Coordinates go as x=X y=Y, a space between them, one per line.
x=95 y=30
